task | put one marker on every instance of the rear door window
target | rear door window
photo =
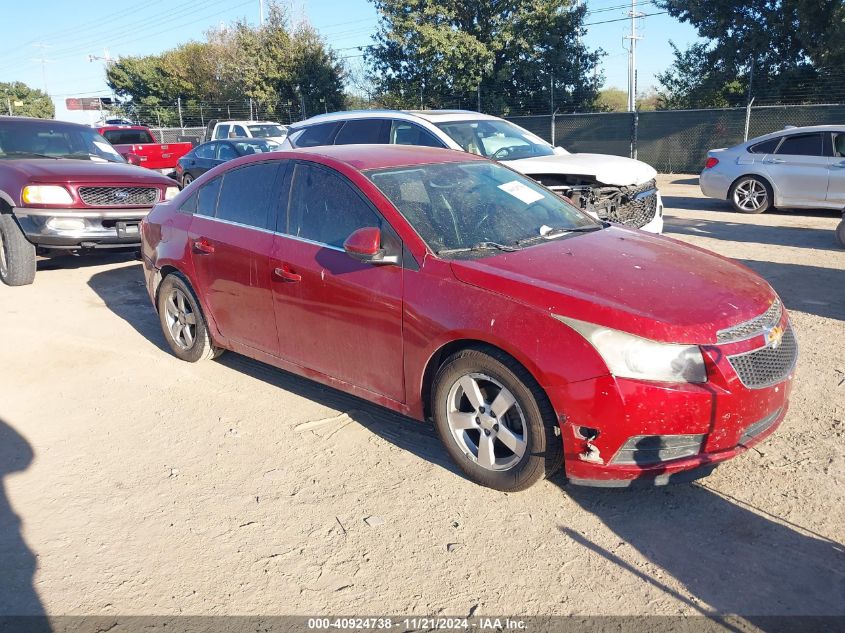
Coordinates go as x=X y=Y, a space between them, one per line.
x=364 y=132
x=207 y=198
x=802 y=145
x=206 y=151
x=128 y=137
x=239 y=131
x=222 y=131
x=246 y=193
x=226 y=152
x=316 y=135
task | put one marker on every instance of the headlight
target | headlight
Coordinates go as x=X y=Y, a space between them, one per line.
x=629 y=356
x=170 y=193
x=46 y=194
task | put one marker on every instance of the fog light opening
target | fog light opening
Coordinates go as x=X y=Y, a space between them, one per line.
x=66 y=224
x=586 y=432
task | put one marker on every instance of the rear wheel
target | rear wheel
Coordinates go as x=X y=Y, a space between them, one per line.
x=840 y=232
x=187 y=179
x=751 y=194
x=17 y=254
x=182 y=321
x=494 y=420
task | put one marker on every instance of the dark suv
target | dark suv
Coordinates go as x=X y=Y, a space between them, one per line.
x=63 y=187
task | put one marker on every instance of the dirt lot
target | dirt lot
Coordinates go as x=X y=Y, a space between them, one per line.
x=138 y=484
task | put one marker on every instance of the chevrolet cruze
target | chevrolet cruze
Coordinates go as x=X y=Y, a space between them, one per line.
x=450 y=288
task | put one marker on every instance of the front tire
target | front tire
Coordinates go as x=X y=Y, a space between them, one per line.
x=182 y=321
x=494 y=420
x=17 y=254
x=840 y=233
x=751 y=194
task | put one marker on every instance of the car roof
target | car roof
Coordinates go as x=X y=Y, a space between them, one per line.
x=363 y=157
x=432 y=116
x=46 y=122
x=247 y=122
x=798 y=130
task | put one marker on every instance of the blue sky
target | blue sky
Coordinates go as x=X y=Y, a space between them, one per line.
x=65 y=32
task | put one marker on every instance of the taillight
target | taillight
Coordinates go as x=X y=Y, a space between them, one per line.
x=711 y=162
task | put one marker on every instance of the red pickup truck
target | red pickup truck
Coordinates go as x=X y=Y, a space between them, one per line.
x=138 y=146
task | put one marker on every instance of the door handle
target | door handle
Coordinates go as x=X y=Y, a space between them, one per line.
x=840 y=165
x=286 y=274
x=203 y=247
x=775 y=161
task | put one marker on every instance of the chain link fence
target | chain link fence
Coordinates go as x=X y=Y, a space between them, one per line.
x=673 y=141
x=178 y=134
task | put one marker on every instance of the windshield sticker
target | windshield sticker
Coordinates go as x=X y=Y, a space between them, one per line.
x=105 y=147
x=521 y=192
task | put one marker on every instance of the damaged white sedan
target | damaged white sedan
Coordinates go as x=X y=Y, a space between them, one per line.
x=612 y=188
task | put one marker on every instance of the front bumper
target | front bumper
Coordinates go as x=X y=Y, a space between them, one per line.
x=729 y=416
x=100 y=228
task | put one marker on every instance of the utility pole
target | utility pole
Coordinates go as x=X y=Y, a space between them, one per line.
x=44 y=61
x=261 y=12
x=632 y=57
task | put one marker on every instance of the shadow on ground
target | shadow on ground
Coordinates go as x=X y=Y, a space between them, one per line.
x=725 y=554
x=17 y=592
x=124 y=292
x=71 y=261
x=686 y=180
x=791 y=236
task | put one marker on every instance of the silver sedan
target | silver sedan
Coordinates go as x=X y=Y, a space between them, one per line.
x=798 y=167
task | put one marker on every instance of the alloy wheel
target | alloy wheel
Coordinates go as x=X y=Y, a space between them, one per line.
x=750 y=195
x=181 y=319
x=486 y=422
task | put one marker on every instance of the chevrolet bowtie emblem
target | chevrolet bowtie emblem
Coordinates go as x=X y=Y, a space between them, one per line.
x=774 y=336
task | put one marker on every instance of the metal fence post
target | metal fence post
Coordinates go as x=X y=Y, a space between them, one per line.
x=747 y=118
x=635 y=124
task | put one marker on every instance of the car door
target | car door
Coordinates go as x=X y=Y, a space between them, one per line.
x=836 y=175
x=336 y=315
x=231 y=239
x=202 y=160
x=799 y=169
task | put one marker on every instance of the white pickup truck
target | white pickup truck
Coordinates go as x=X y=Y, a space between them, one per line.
x=245 y=129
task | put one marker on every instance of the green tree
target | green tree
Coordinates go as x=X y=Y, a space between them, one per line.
x=784 y=48
x=21 y=100
x=272 y=71
x=516 y=55
x=611 y=100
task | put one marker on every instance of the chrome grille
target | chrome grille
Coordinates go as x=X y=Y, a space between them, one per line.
x=768 y=365
x=753 y=327
x=759 y=427
x=118 y=196
x=638 y=212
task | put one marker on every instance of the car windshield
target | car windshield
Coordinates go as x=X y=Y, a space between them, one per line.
x=266 y=130
x=255 y=147
x=42 y=139
x=496 y=139
x=477 y=208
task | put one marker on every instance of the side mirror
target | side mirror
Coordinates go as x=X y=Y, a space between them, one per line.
x=133 y=159
x=365 y=246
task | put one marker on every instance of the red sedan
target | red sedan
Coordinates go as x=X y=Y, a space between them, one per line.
x=448 y=287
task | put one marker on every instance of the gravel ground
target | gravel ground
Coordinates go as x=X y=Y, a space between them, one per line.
x=133 y=483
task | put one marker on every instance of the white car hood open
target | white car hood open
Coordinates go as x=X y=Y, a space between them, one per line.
x=605 y=168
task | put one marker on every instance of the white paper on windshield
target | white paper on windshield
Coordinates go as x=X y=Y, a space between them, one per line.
x=105 y=147
x=521 y=192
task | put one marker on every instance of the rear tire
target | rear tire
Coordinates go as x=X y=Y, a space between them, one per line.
x=494 y=420
x=840 y=233
x=187 y=179
x=17 y=254
x=182 y=321
x=751 y=194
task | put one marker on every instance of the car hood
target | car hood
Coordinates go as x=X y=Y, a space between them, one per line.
x=605 y=168
x=647 y=285
x=68 y=170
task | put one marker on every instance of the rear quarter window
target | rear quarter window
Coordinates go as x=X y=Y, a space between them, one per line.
x=765 y=147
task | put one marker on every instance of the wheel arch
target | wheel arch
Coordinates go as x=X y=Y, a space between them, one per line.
x=759 y=176
x=446 y=350
x=168 y=269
